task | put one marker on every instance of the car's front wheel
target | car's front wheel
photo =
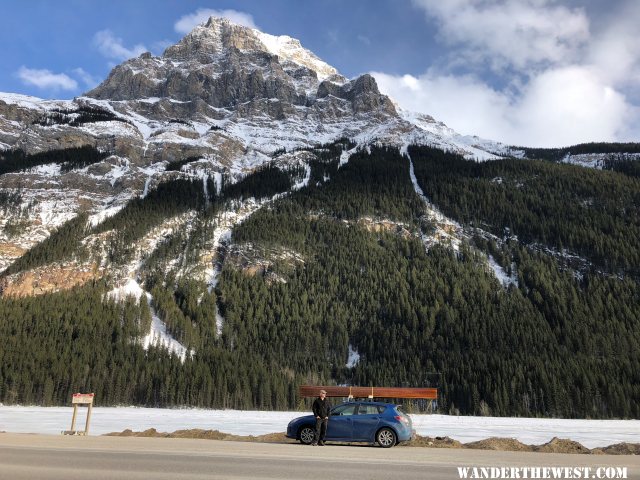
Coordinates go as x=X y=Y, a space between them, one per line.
x=386 y=437
x=307 y=435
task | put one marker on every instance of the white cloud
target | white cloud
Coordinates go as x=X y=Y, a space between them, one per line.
x=518 y=33
x=188 y=22
x=559 y=107
x=112 y=47
x=46 y=79
x=560 y=82
x=571 y=105
x=89 y=80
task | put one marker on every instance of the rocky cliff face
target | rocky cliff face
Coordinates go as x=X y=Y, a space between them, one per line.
x=221 y=65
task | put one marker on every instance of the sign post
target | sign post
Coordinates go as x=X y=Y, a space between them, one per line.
x=82 y=399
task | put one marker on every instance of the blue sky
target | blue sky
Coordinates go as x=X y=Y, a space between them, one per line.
x=525 y=72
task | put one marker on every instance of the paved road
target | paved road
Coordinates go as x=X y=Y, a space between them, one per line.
x=45 y=457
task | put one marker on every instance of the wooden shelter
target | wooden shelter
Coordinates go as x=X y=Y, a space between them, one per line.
x=369 y=392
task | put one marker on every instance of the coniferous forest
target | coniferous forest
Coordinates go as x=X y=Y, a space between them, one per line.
x=563 y=339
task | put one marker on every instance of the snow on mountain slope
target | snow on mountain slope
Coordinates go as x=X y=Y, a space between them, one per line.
x=597 y=160
x=291 y=49
x=439 y=135
x=446 y=231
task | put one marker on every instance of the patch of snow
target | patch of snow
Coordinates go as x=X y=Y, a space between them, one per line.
x=305 y=181
x=291 y=49
x=118 y=171
x=145 y=191
x=109 y=128
x=597 y=160
x=49 y=170
x=141 y=123
x=201 y=128
x=56 y=211
x=504 y=278
x=35 y=103
x=158 y=335
x=131 y=288
x=344 y=156
x=102 y=215
x=217 y=177
x=354 y=357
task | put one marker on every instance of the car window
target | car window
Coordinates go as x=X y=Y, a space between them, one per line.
x=349 y=409
x=370 y=409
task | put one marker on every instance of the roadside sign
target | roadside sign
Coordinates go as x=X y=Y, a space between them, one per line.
x=82 y=399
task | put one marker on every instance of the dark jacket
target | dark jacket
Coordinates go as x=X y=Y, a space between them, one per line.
x=321 y=408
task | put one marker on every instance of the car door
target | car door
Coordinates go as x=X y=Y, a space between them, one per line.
x=340 y=426
x=365 y=422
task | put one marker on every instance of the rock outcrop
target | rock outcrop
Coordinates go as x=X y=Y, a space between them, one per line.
x=221 y=65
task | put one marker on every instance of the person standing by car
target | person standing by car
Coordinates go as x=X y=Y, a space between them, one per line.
x=321 y=410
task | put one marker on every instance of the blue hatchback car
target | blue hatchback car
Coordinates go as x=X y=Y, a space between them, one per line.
x=373 y=422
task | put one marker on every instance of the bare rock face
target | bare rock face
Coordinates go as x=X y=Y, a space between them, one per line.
x=223 y=65
x=53 y=278
x=362 y=93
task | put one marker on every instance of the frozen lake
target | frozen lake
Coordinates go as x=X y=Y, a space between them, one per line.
x=52 y=420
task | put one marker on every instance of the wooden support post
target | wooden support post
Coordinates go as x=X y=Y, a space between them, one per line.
x=82 y=399
x=73 y=419
x=86 y=426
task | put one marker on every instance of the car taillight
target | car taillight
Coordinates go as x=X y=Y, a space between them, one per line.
x=402 y=419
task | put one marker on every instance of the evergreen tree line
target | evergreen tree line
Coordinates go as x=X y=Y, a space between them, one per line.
x=68 y=158
x=547 y=347
x=623 y=165
x=557 y=154
x=372 y=183
x=83 y=114
x=554 y=344
x=264 y=182
x=79 y=341
x=593 y=213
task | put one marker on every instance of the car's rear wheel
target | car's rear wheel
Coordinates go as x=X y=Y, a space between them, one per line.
x=386 y=437
x=307 y=435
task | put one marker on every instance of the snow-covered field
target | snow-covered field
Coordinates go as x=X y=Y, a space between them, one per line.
x=52 y=420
